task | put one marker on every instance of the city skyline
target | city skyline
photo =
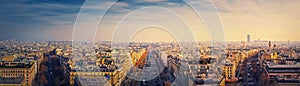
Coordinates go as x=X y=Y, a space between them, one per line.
x=266 y=20
x=57 y=63
x=149 y=43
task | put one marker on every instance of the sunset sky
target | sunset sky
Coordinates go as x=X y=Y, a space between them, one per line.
x=150 y=20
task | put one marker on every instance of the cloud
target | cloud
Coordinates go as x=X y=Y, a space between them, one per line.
x=97 y=5
x=150 y=1
x=256 y=6
x=32 y=19
x=264 y=19
x=121 y=4
x=238 y=16
x=47 y=13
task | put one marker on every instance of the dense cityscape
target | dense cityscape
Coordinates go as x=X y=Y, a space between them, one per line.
x=149 y=43
x=64 y=63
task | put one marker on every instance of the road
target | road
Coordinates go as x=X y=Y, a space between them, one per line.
x=251 y=72
x=50 y=76
x=147 y=74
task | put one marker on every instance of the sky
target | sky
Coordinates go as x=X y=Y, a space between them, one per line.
x=150 y=20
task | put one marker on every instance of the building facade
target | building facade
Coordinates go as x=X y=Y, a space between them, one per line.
x=21 y=71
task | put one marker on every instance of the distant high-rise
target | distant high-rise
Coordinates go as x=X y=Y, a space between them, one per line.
x=248 y=38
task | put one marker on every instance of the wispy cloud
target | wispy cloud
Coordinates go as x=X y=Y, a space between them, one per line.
x=264 y=19
x=47 y=13
x=36 y=18
x=150 y=1
x=59 y=16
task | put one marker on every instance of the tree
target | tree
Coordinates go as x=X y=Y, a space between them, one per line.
x=57 y=81
x=43 y=79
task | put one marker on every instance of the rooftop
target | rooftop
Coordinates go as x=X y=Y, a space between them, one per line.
x=273 y=65
x=282 y=79
x=8 y=58
x=27 y=64
x=17 y=80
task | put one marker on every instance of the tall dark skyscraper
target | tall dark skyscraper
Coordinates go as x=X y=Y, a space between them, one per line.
x=248 y=38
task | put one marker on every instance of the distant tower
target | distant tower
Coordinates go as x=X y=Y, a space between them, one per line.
x=248 y=38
